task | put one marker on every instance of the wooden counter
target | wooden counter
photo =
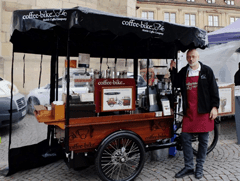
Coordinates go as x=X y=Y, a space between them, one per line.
x=85 y=134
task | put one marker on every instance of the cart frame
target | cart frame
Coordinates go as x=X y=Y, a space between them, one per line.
x=82 y=30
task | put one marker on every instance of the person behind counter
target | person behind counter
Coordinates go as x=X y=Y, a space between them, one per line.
x=237 y=76
x=200 y=107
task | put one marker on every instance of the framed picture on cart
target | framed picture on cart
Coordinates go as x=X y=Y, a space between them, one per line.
x=120 y=98
x=227 y=99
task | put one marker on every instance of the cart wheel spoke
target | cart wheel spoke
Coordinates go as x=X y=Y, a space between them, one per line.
x=110 y=171
x=107 y=164
x=126 y=142
x=118 y=175
x=113 y=147
x=133 y=149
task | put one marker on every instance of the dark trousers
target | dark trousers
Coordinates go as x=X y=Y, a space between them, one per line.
x=188 y=151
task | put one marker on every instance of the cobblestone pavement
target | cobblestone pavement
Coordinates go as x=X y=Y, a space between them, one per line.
x=223 y=163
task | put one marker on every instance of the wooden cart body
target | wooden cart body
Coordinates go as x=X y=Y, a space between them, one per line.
x=86 y=134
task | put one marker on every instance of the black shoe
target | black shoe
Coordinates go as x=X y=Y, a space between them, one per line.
x=198 y=173
x=184 y=172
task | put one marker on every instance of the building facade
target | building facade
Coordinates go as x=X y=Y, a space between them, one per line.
x=206 y=14
x=209 y=15
x=32 y=65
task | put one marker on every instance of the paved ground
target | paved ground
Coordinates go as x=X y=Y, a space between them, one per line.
x=221 y=164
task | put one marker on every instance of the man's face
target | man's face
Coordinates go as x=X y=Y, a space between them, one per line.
x=192 y=57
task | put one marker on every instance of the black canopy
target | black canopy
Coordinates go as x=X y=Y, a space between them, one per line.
x=100 y=34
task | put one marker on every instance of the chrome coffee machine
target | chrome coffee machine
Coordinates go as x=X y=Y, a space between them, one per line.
x=160 y=91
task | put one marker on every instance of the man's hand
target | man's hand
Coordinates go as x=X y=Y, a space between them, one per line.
x=213 y=113
x=172 y=64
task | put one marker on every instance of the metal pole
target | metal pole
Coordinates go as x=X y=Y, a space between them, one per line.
x=10 y=125
x=135 y=74
x=56 y=68
x=148 y=51
x=67 y=100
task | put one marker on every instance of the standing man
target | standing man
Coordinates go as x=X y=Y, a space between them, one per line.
x=237 y=76
x=200 y=107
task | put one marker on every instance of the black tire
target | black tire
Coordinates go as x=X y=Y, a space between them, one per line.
x=32 y=101
x=120 y=158
x=212 y=142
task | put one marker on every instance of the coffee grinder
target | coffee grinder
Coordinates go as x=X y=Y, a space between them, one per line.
x=162 y=85
x=148 y=102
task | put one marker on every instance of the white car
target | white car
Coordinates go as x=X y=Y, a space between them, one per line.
x=41 y=96
x=19 y=105
x=141 y=83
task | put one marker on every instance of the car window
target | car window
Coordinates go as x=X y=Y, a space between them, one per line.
x=60 y=83
x=140 y=82
x=81 y=85
x=47 y=86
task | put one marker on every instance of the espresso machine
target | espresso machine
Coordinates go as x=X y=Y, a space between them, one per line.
x=158 y=92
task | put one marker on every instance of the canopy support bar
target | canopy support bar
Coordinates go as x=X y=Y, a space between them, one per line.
x=67 y=102
x=53 y=86
x=148 y=52
x=56 y=68
x=135 y=74
x=40 y=73
x=24 y=70
x=10 y=125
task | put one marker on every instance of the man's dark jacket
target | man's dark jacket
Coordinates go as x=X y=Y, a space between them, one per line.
x=237 y=78
x=208 y=95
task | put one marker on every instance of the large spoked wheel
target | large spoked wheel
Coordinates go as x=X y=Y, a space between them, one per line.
x=120 y=158
x=212 y=141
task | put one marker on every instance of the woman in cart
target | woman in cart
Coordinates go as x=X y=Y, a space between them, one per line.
x=200 y=107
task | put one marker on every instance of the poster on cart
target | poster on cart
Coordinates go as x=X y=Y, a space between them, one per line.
x=227 y=99
x=117 y=99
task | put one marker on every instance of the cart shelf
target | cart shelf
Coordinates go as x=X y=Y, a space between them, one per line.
x=45 y=116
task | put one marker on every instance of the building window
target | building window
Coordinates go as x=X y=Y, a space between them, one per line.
x=233 y=19
x=212 y=20
x=190 y=19
x=210 y=1
x=147 y=15
x=170 y=17
x=229 y=2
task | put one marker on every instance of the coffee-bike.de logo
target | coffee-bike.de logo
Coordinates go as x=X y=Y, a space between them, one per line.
x=54 y=15
x=111 y=82
x=146 y=26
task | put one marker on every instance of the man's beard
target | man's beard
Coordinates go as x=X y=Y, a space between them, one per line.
x=193 y=64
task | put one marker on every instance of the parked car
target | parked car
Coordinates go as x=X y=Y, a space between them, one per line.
x=41 y=96
x=19 y=104
x=141 y=83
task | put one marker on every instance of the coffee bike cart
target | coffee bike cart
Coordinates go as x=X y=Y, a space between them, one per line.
x=114 y=135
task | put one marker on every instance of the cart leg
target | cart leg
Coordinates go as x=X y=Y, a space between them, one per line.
x=173 y=150
x=219 y=126
x=156 y=155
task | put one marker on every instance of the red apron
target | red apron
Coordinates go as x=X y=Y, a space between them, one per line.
x=195 y=122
